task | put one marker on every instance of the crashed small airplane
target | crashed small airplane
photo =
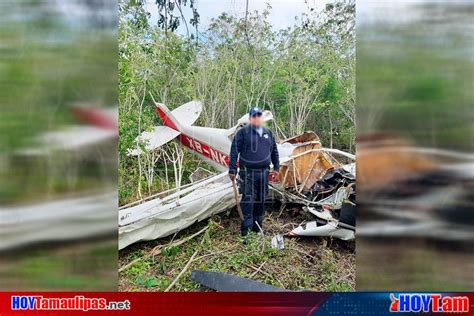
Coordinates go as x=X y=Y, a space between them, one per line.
x=309 y=176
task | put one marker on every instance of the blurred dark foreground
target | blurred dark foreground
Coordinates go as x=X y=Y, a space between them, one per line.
x=415 y=161
x=58 y=136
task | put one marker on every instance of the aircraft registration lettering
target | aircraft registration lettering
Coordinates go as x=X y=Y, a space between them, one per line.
x=219 y=157
x=190 y=143
x=205 y=150
x=198 y=146
x=215 y=155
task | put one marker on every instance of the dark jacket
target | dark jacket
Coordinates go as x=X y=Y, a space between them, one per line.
x=253 y=151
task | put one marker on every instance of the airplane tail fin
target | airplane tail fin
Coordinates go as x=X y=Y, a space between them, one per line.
x=167 y=117
x=173 y=121
x=185 y=115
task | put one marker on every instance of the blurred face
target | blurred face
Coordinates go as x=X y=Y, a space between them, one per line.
x=256 y=120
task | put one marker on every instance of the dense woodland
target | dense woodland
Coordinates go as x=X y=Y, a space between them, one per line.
x=304 y=74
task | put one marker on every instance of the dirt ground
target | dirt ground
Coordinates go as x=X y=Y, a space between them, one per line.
x=320 y=264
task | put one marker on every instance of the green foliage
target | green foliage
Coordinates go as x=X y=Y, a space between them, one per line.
x=170 y=252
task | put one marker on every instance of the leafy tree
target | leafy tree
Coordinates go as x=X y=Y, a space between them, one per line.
x=171 y=15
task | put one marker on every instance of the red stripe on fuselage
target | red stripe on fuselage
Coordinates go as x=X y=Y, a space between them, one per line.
x=213 y=154
x=166 y=120
x=204 y=150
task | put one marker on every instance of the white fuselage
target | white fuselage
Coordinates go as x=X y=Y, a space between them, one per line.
x=213 y=145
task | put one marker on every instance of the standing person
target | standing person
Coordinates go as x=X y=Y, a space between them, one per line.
x=254 y=147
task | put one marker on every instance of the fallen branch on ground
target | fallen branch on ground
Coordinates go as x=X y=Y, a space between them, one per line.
x=182 y=271
x=215 y=253
x=155 y=250
x=265 y=273
x=258 y=270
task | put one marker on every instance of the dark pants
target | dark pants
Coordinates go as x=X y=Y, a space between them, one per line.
x=254 y=189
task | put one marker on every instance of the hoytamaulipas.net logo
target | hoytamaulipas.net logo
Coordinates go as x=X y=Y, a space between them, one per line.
x=428 y=302
x=75 y=303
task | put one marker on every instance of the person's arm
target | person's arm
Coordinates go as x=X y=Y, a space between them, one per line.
x=275 y=156
x=235 y=149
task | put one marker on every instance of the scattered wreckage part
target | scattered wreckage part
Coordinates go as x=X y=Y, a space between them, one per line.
x=347 y=214
x=351 y=168
x=200 y=174
x=346 y=219
x=334 y=180
x=307 y=136
x=339 y=152
x=223 y=282
x=302 y=170
x=162 y=217
x=289 y=196
x=315 y=229
x=278 y=242
x=307 y=164
x=324 y=214
x=320 y=149
x=336 y=199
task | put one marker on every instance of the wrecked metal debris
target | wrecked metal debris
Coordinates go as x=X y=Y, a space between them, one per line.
x=223 y=282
